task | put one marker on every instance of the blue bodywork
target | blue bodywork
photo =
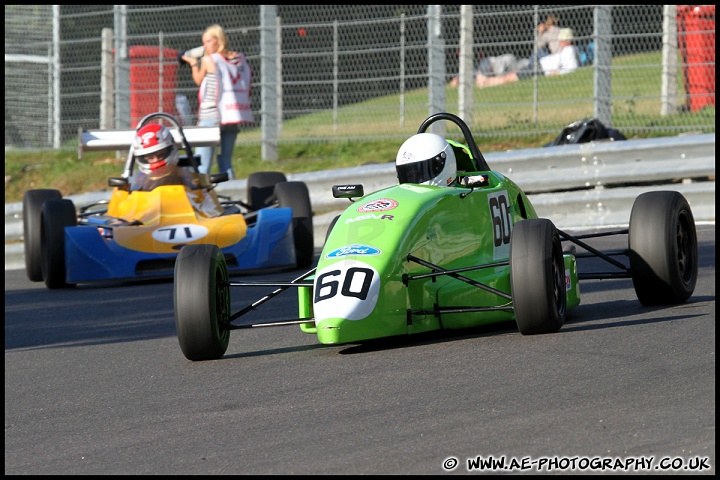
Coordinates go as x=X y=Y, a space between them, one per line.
x=91 y=257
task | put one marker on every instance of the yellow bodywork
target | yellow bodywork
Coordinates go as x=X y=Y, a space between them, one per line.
x=172 y=216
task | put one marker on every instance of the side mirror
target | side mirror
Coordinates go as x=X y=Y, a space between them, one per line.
x=348 y=191
x=474 y=181
x=219 y=177
x=119 y=182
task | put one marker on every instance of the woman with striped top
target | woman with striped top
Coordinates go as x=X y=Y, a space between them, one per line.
x=224 y=96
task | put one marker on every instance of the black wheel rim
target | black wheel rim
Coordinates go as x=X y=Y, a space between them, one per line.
x=685 y=241
x=222 y=301
x=558 y=278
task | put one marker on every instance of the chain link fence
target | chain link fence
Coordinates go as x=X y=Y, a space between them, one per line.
x=350 y=72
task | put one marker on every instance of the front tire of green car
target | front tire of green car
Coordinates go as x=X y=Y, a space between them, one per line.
x=202 y=302
x=537 y=277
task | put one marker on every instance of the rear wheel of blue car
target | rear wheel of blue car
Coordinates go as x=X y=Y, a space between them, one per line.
x=56 y=215
x=32 y=227
x=202 y=302
x=260 y=188
x=537 y=277
x=663 y=248
x=295 y=195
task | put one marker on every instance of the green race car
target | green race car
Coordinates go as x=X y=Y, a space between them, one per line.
x=454 y=245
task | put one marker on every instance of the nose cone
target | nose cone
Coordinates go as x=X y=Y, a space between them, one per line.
x=347 y=301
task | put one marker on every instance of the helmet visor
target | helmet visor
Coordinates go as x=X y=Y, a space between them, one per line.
x=156 y=159
x=421 y=172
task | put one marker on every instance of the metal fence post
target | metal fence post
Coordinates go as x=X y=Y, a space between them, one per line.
x=401 y=87
x=56 y=77
x=278 y=69
x=107 y=108
x=122 y=68
x=161 y=70
x=336 y=72
x=436 y=67
x=466 y=80
x=268 y=86
x=536 y=65
x=602 y=82
x=668 y=103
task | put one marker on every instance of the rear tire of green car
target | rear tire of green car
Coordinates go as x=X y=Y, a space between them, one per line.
x=663 y=248
x=201 y=299
x=537 y=277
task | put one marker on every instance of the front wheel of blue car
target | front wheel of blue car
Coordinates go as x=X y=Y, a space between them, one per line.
x=202 y=302
x=33 y=201
x=537 y=277
x=56 y=215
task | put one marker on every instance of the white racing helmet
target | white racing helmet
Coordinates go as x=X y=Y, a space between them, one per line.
x=428 y=159
x=154 y=148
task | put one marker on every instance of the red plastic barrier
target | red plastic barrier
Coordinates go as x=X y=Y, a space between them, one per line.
x=146 y=66
x=696 y=36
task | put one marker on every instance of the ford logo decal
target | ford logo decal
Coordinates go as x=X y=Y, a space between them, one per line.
x=353 y=250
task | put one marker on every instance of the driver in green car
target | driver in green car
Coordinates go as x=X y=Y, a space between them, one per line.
x=427 y=159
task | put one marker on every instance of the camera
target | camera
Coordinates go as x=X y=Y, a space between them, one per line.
x=196 y=52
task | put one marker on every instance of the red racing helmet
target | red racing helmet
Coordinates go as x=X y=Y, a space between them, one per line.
x=154 y=148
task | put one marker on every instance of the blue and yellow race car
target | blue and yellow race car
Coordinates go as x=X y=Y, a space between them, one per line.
x=463 y=249
x=137 y=234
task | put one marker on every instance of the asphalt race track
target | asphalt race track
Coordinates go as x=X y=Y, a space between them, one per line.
x=95 y=383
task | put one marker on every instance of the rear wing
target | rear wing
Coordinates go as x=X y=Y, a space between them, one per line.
x=104 y=140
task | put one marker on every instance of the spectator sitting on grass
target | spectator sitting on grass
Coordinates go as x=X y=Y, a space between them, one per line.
x=497 y=65
x=566 y=61
x=547 y=43
x=547 y=39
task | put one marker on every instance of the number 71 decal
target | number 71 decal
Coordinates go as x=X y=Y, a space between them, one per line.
x=181 y=233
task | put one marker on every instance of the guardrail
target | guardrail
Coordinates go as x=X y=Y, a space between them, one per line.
x=576 y=186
